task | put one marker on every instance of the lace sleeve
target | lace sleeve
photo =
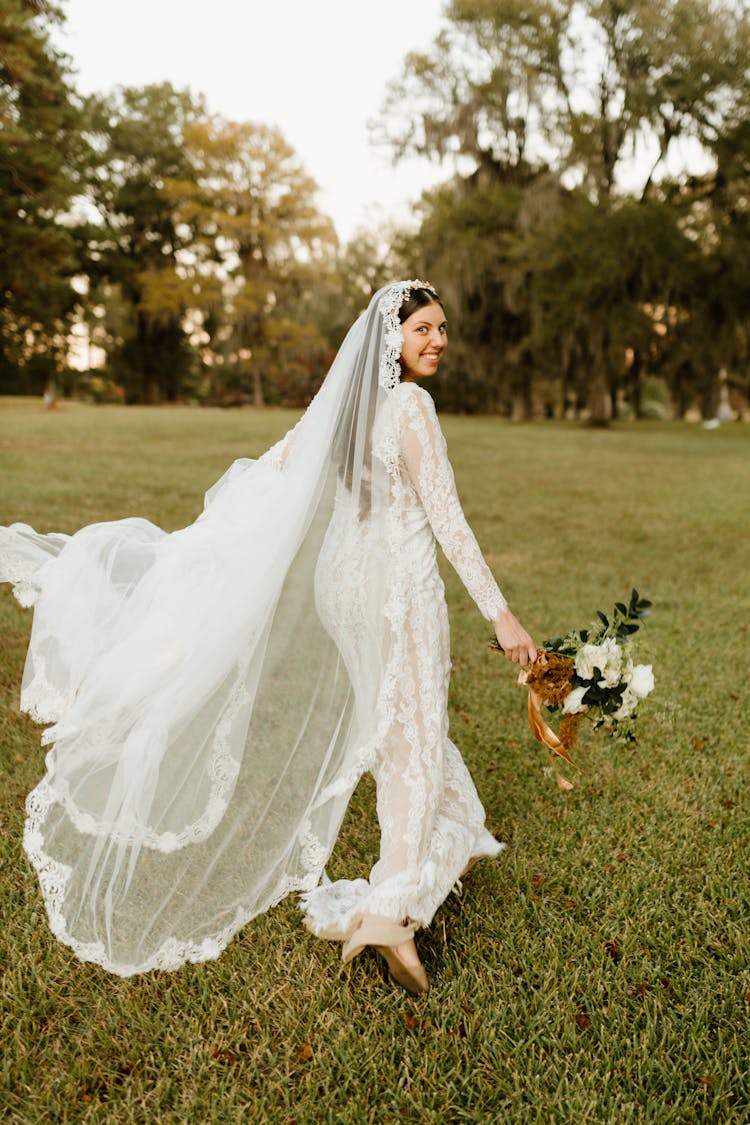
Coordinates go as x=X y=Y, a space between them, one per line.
x=426 y=456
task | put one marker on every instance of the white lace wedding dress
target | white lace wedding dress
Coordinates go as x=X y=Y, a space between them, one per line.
x=431 y=819
x=215 y=693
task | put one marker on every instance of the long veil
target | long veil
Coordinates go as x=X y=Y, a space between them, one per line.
x=205 y=736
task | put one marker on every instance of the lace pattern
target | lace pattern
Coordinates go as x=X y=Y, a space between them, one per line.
x=19 y=567
x=431 y=819
x=390 y=303
x=431 y=477
x=222 y=769
x=172 y=953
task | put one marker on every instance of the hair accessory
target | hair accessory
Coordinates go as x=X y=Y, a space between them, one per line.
x=389 y=373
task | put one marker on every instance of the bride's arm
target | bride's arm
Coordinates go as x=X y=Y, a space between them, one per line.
x=426 y=456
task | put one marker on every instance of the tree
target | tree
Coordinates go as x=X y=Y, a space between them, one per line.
x=505 y=94
x=136 y=244
x=39 y=158
x=468 y=247
x=259 y=230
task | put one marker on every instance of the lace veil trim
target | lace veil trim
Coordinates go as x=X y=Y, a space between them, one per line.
x=389 y=374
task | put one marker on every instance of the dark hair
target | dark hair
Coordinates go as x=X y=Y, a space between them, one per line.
x=417 y=299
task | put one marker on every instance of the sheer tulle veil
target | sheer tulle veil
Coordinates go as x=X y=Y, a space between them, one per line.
x=205 y=735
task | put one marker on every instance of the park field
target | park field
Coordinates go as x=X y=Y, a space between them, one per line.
x=597 y=972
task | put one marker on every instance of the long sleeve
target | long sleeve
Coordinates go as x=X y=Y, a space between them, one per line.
x=426 y=456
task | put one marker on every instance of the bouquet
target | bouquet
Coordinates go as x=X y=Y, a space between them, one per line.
x=589 y=674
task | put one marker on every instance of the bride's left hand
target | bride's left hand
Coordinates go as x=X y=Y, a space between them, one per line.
x=513 y=639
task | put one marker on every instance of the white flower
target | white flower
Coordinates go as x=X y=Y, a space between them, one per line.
x=572 y=703
x=628 y=704
x=585 y=661
x=641 y=680
x=606 y=658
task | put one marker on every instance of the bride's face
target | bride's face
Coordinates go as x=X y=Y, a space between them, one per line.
x=425 y=335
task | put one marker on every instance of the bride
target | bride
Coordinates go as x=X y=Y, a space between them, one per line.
x=216 y=693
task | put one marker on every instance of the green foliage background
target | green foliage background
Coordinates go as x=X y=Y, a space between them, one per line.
x=591 y=234
x=597 y=972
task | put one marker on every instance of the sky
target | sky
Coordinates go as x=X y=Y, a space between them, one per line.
x=316 y=69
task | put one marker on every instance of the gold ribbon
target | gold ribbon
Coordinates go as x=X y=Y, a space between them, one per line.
x=544 y=733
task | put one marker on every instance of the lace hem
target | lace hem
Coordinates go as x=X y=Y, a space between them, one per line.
x=173 y=953
x=22 y=574
x=45 y=704
x=21 y=565
x=335 y=910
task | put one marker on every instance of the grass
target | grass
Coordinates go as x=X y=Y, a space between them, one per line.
x=598 y=972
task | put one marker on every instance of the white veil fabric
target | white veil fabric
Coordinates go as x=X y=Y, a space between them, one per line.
x=205 y=736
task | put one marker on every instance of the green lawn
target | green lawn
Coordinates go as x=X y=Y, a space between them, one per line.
x=598 y=972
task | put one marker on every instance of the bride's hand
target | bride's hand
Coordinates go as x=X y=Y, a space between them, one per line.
x=515 y=642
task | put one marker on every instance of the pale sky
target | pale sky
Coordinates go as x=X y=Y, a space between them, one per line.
x=317 y=69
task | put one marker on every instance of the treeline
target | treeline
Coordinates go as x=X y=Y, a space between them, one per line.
x=591 y=244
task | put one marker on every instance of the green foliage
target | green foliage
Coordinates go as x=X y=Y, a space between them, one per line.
x=572 y=277
x=573 y=287
x=39 y=162
x=131 y=253
x=261 y=238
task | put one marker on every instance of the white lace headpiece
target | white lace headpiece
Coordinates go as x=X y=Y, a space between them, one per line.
x=389 y=373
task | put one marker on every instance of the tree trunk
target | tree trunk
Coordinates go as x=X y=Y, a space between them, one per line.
x=710 y=394
x=149 y=382
x=677 y=395
x=635 y=382
x=521 y=397
x=258 y=399
x=599 y=397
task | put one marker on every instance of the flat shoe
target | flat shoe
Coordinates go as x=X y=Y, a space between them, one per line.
x=411 y=977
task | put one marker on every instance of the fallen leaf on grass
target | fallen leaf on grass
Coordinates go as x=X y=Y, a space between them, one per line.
x=570 y=904
x=223 y=1055
x=537 y=880
x=613 y=949
x=305 y=1052
x=414 y=1023
x=582 y=1020
x=698 y=743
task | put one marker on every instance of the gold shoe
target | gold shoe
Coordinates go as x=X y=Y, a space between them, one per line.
x=411 y=977
x=387 y=936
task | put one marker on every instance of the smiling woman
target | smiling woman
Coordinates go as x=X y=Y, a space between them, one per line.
x=425 y=332
x=215 y=694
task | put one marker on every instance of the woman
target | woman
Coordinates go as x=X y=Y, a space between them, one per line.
x=216 y=693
